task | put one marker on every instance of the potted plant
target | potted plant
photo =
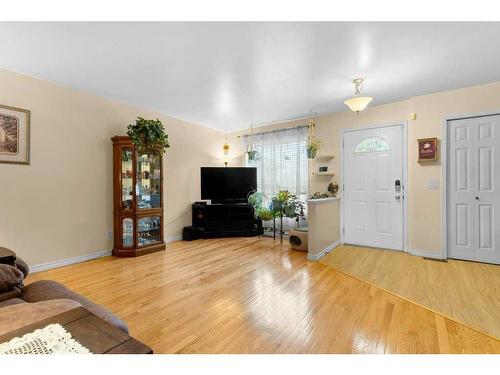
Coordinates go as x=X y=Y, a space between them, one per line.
x=256 y=199
x=267 y=216
x=313 y=145
x=251 y=153
x=148 y=136
x=285 y=204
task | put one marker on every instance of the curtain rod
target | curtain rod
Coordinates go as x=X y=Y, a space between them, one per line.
x=275 y=131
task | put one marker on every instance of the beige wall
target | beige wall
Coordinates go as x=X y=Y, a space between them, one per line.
x=424 y=205
x=323 y=221
x=60 y=206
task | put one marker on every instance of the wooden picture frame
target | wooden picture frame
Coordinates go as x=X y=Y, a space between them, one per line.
x=14 y=135
x=427 y=149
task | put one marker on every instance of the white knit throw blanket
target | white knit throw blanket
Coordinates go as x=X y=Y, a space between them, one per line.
x=53 y=339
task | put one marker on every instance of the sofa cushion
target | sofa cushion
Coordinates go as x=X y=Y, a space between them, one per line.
x=10 y=277
x=7 y=256
x=22 y=314
x=44 y=290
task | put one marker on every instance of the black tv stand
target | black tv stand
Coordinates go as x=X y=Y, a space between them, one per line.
x=225 y=220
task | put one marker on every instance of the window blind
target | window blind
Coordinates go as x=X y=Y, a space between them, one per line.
x=283 y=161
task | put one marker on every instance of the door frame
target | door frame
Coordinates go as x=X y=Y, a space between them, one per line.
x=404 y=126
x=444 y=171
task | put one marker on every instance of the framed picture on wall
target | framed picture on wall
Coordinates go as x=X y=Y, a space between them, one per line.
x=427 y=149
x=14 y=135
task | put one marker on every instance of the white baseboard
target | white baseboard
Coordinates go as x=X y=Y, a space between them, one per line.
x=177 y=237
x=426 y=253
x=323 y=252
x=84 y=258
x=67 y=262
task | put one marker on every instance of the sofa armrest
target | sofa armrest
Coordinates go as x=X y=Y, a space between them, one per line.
x=44 y=290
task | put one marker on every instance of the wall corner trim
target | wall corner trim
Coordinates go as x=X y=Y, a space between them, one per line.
x=427 y=253
x=323 y=252
x=177 y=237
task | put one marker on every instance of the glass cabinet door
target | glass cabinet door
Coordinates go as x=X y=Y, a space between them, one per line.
x=127 y=178
x=148 y=183
x=127 y=232
x=148 y=230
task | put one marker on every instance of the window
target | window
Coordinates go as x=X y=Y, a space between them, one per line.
x=372 y=144
x=282 y=162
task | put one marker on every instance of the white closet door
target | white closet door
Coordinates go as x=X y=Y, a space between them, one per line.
x=473 y=195
x=461 y=241
x=487 y=189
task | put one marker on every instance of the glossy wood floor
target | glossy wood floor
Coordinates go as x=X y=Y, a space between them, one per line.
x=468 y=292
x=254 y=296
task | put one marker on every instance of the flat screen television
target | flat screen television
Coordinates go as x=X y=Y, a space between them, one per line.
x=227 y=184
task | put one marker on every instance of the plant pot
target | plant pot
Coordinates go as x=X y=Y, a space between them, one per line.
x=253 y=155
x=289 y=211
x=277 y=204
x=311 y=153
x=267 y=225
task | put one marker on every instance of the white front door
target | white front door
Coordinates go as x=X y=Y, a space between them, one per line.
x=473 y=176
x=374 y=187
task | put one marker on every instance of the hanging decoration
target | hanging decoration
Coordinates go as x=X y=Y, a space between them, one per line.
x=252 y=154
x=313 y=144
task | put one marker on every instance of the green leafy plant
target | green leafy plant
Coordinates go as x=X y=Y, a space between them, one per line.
x=287 y=204
x=148 y=136
x=253 y=155
x=264 y=213
x=256 y=199
x=313 y=145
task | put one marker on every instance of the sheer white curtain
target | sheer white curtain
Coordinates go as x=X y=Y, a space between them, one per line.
x=282 y=164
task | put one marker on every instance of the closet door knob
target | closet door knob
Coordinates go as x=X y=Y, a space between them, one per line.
x=477 y=198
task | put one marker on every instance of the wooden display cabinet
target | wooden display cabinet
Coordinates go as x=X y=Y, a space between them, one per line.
x=137 y=200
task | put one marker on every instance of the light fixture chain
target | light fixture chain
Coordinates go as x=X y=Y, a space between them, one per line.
x=358 y=86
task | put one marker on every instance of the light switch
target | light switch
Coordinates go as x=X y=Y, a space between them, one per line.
x=433 y=184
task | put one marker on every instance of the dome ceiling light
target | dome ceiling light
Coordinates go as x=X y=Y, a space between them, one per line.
x=358 y=102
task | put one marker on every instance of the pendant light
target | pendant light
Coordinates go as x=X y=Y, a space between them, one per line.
x=225 y=148
x=358 y=102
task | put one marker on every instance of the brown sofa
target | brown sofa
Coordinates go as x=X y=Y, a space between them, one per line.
x=22 y=305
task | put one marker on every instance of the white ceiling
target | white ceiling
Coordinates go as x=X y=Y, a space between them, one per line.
x=225 y=75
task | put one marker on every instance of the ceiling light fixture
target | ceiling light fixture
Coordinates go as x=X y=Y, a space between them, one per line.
x=225 y=148
x=358 y=102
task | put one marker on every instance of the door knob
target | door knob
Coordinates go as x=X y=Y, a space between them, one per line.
x=398 y=197
x=477 y=198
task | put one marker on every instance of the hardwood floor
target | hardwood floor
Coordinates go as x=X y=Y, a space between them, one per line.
x=468 y=292
x=249 y=295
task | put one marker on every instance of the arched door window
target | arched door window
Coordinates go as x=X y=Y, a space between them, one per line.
x=372 y=144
